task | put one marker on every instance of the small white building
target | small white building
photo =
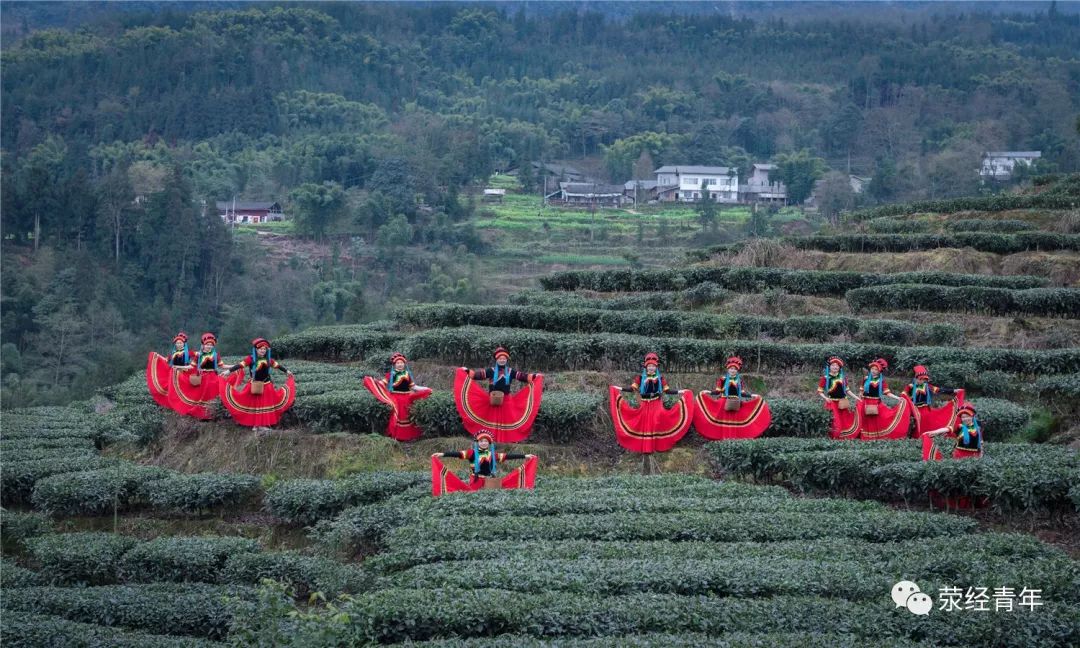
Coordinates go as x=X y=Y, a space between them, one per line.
x=584 y=193
x=999 y=165
x=721 y=183
x=859 y=183
x=761 y=187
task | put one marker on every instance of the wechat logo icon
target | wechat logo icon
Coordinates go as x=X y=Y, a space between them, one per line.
x=907 y=594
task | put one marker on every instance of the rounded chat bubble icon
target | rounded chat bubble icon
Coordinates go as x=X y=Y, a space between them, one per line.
x=920 y=603
x=901 y=591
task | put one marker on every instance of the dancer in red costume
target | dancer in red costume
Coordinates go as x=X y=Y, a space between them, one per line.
x=484 y=467
x=509 y=417
x=399 y=391
x=650 y=427
x=258 y=403
x=730 y=411
x=159 y=369
x=965 y=431
x=921 y=393
x=194 y=389
x=833 y=389
x=965 y=438
x=876 y=419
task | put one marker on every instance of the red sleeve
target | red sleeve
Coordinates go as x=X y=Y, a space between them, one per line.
x=636 y=383
x=821 y=384
x=480 y=374
x=934 y=389
x=720 y=382
x=885 y=387
x=907 y=389
x=663 y=382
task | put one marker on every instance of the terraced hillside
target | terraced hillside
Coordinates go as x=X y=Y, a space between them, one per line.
x=125 y=525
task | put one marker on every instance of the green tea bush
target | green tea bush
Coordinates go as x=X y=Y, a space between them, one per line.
x=982 y=241
x=1000 y=202
x=94 y=492
x=303 y=574
x=1044 y=302
x=677 y=323
x=741 y=279
x=88 y=558
x=200 y=492
x=16 y=527
x=28 y=630
x=306 y=501
x=541 y=350
x=1015 y=477
x=197 y=610
x=181 y=558
x=20 y=477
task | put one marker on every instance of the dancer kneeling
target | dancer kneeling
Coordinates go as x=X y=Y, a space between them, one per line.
x=736 y=414
x=833 y=390
x=650 y=427
x=484 y=468
x=258 y=404
x=876 y=419
x=399 y=391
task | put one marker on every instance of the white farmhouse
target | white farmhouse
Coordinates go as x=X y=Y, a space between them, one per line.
x=998 y=165
x=686 y=183
x=760 y=187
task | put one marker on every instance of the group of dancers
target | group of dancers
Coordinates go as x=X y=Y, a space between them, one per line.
x=878 y=413
x=190 y=382
x=494 y=413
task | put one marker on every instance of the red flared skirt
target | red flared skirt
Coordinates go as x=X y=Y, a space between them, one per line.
x=650 y=427
x=510 y=422
x=256 y=410
x=444 y=481
x=401 y=427
x=845 y=423
x=712 y=421
x=888 y=423
x=928 y=418
x=192 y=400
x=158 y=377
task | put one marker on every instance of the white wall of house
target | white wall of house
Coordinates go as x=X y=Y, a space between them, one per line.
x=1001 y=164
x=721 y=188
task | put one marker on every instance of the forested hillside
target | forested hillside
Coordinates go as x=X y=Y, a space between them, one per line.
x=373 y=125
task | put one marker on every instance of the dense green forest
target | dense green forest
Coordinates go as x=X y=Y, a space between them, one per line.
x=374 y=122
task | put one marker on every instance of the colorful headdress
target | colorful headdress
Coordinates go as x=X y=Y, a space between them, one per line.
x=500 y=351
x=921 y=372
x=651 y=358
x=881 y=364
x=258 y=343
x=966 y=409
x=209 y=338
x=484 y=434
x=180 y=336
x=734 y=361
x=398 y=356
x=836 y=360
